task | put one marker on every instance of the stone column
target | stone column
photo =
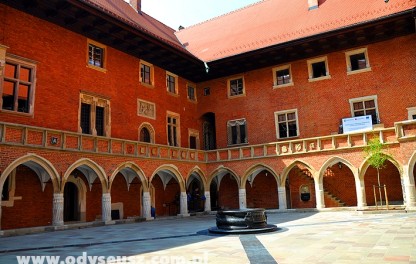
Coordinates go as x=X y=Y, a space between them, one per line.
x=409 y=189
x=207 y=207
x=58 y=209
x=106 y=207
x=147 y=206
x=319 y=194
x=184 y=205
x=242 y=198
x=360 y=190
x=281 y=192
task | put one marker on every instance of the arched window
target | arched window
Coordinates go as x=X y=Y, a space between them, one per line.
x=145 y=135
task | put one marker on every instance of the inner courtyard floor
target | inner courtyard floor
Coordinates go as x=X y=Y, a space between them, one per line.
x=303 y=237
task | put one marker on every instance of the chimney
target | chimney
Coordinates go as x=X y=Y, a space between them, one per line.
x=313 y=4
x=136 y=4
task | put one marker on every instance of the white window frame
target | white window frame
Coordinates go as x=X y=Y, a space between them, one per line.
x=27 y=63
x=94 y=101
x=410 y=112
x=348 y=55
x=193 y=133
x=280 y=68
x=276 y=118
x=104 y=56
x=229 y=86
x=362 y=99
x=151 y=130
x=229 y=132
x=152 y=82
x=176 y=92
x=187 y=92
x=310 y=69
x=178 y=127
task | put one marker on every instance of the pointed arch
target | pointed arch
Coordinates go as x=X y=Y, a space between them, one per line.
x=255 y=170
x=221 y=171
x=410 y=168
x=40 y=165
x=286 y=170
x=150 y=129
x=199 y=174
x=130 y=170
x=171 y=170
x=90 y=169
x=331 y=162
x=364 y=166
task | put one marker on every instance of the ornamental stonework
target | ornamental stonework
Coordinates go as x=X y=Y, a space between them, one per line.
x=146 y=109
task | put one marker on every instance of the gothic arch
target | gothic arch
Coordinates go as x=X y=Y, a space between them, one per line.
x=38 y=164
x=90 y=169
x=364 y=166
x=332 y=161
x=255 y=170
x=286 y=170
x=173 y=171
x=130 y=170
x=197 y=173
x=410 y=168
x=151 y=130
x=221 y=171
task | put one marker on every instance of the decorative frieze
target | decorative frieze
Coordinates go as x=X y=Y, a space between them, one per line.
x=146 y=109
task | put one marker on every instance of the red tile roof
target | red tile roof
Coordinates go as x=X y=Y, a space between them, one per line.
x=124 y=12
x=272 y=22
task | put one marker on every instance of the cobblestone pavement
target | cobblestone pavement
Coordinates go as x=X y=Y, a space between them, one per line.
x=324 y=237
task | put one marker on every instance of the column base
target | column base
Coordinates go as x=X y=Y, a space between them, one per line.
x=183 y=215
x=150 y=218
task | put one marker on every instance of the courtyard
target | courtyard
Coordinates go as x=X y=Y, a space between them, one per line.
x=303 y=237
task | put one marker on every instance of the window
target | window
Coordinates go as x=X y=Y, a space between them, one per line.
x=318 y=69
x=173 y=128
x=365 y=106
x=8 y=192
x=5 y=192
x=286 y=124
x=282 y=76
x=172 y=83
x=237 y=132
x=411 y=113
x=94 y=115
x=146 y=73
x=18 y=85
x=145 y=135
x=357 y=61
x=193 y=138
x=96 y=55
x=191 y=92
x=207 y=91
x=236 y=87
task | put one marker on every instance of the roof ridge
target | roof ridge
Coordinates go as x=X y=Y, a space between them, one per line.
x=223 y=15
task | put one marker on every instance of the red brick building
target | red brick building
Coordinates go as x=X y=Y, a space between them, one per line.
x=107 y=114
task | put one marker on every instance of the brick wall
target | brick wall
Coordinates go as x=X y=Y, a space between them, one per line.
x=131 y=198
x=34 y=208
x=296 y=179
x=340 y=182
x=390 y=177
x=263 y=192
x=321 y=104
x=167 y=201
x=62 y=73
x=228 y=193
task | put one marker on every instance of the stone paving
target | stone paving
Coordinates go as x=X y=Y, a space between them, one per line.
x=307 y=237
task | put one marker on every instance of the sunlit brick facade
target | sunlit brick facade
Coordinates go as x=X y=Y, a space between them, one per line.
x=103 y=119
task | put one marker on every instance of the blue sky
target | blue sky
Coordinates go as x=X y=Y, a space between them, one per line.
x=175 y=13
